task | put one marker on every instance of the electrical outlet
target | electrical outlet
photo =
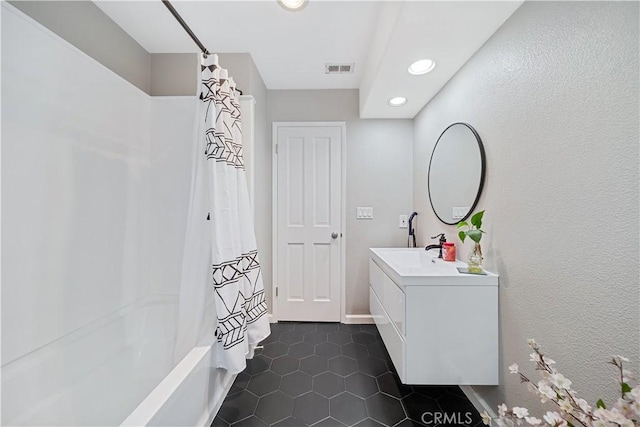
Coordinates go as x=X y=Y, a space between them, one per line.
x=403 y=221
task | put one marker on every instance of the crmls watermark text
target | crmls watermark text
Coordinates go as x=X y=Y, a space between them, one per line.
x=449 y=418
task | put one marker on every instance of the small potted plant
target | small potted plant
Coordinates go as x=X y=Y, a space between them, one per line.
x=473 y=232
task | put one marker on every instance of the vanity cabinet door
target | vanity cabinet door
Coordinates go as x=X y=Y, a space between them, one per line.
x=393 y=302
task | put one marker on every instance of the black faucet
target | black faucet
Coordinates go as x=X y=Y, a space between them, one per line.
x=442 y=239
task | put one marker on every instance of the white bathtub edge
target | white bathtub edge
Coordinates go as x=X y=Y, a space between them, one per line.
x=218 y=404
x=145 y=411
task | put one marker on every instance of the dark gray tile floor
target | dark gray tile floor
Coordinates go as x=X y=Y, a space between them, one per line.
x=334 y=375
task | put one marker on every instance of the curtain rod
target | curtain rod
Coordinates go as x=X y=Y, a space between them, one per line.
x=184 y=25
x=176 y=15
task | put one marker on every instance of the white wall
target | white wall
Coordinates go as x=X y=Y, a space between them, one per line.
x=378 y=174
x=95 y=187
x=554 y=96
x=75 y=141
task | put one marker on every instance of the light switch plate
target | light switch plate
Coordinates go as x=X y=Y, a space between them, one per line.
x=403 y=221
x=364 y=212
x=459 y=212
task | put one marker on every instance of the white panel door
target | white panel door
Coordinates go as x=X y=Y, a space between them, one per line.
x=308 y=222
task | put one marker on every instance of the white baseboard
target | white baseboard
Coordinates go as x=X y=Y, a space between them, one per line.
x=478 y=402
x=358 y=319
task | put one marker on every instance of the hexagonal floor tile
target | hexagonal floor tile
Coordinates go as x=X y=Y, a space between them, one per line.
x=385 y=409
x=343 y=327
x=251 y=422
x=372 y=366
x=451 y=403
x=328 y=384
x=371 y=423
x=301 y=349
x=371 y=329
x=296 y=384
x=347 y=408
x=390 y=383
x=377 y=349
x=327 y=327
x=329 y=422
x=285 y=365
x=274 y=407
x=240 y=383
x=237 y=407
x=305 y=327
x=327 y=350
x=275 y=349
x=258 y=364
x=417 y=404
x=291 y=337
x=364 y=338
x=315 y=337
x=339 y=338
x=311 y=408
x=342 y=365
x=313 y=365
x=282 y=327
x=219 y=422
x=264 y=383
x=289 y=422
x=361 y=385
x=355 y=350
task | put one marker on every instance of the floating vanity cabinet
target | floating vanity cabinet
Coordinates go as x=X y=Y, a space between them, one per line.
x=438 y=325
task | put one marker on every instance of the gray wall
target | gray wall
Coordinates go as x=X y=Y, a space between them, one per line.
x=554 y=96
x=88 y=28
x=378 y=175
x=174 y=74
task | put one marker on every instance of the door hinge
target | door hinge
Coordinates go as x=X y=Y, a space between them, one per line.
x=276 y=148
x=276 y=291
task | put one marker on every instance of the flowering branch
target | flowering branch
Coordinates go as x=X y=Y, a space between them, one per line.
x=556 y=388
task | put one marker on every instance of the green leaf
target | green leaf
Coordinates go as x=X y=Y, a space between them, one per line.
x=569 y=424
x=600 y=404
x=625 y=388
x=462 y=235
x=476 y=219
x=475 y=235
x=462 y=224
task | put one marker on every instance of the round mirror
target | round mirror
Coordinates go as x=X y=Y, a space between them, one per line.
x=456 y=173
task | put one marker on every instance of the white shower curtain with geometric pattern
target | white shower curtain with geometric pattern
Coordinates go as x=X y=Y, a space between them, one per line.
x=221 y=294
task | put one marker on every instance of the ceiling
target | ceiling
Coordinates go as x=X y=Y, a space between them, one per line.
x=290 y=49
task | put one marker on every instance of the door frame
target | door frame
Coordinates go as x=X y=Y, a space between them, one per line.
x=274 y=210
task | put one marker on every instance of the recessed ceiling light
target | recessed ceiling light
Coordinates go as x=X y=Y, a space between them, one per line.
x=397 y=101
x=422 y=66
x=293 y=4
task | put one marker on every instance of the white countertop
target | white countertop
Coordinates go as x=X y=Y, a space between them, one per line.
x=415 y=266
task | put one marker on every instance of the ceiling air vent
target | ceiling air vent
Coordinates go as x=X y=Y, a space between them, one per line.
x=338 y=68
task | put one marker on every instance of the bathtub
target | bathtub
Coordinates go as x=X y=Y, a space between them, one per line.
x=117 y=370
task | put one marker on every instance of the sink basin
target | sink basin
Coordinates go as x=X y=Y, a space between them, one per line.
x=407 y=266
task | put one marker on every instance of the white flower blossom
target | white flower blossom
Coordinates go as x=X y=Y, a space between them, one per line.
x=565 y=405
x=560 y=381
x=502 y=410
x=531 y=342
x=546 y=390
x=486 y=418
x=513 y=368
x=635 y=394
x=553 y=418
x=549 y=361
x=624 y=359
x=635 y=407
x=533 y=421
x=599 y=423
x=534 y=357
x=583 y=405
x=520 y=412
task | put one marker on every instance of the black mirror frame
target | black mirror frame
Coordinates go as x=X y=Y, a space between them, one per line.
x=483 y=160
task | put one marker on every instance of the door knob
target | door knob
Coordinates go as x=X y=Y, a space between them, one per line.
x=334 y=235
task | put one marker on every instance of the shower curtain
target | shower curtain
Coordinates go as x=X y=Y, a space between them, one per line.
x=221 y=292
